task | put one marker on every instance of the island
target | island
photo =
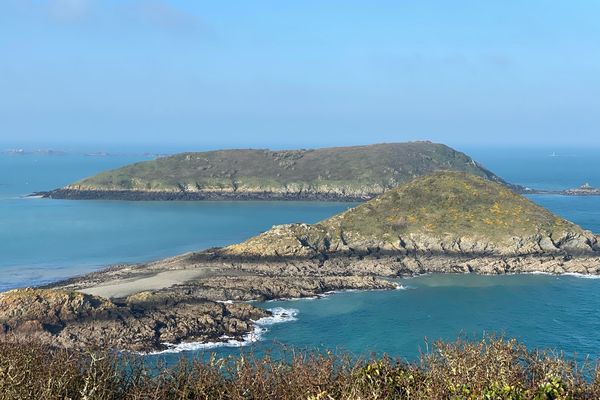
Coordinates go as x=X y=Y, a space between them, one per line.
x=445 y=222
x=340 y=173
x=584 y=190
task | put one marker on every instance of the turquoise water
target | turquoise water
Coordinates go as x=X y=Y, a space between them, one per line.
x=546 y=168
x=43 y=240
x=541 y=311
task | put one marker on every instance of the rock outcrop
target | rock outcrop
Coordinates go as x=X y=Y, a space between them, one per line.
x=78 y=320
x=198 y=311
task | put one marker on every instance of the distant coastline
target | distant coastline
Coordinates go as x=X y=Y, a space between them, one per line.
x=583 y=190
x=141 y=195
x=183 y=195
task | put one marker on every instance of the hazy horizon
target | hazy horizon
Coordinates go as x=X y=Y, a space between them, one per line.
x=166 y=148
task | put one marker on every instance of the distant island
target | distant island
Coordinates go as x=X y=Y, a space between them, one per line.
x=45 y=152
x=445 y=222
x=339 y=173
x=583 y=190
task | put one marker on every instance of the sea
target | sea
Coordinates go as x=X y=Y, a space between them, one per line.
x=43 y=240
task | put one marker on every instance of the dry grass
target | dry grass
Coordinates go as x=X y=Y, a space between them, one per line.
x=492 y=368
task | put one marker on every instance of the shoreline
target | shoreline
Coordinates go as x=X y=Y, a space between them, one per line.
x=225 y=301
x=278 y=315
x=138 y=195
x=290 y=314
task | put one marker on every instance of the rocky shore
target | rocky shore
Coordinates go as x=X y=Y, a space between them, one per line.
x=447 y=222
x=78 y=320
x=72 y=193
x=212 y=308
x=185 y=195
x=208 y=310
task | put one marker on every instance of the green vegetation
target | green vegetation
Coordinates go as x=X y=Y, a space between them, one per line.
x=450 y=204
x=489 y=369
x=349 y=172
x=446 y=211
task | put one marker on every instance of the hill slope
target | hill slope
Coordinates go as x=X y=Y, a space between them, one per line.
x=344 y=173
x=446 y=212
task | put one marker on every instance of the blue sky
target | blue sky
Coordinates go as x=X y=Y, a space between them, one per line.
x=299 y=73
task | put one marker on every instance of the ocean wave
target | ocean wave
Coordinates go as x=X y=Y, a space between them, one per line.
x=279 y=315
x=533 y=273
x=316 y=297
x=399 y=286
x=583 y=276
x=574 y=274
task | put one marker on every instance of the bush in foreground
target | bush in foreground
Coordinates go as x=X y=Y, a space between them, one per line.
x=492 y=368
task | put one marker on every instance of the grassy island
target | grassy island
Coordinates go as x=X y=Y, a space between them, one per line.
x=338 y=173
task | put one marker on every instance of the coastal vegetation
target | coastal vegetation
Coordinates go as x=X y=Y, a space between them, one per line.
x=339 y=173
x=447 y=212
x=490 y=368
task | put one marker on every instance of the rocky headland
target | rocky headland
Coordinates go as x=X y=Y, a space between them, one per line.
x=446 y=222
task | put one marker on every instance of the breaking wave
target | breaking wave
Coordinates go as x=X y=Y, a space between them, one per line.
x=279 y=315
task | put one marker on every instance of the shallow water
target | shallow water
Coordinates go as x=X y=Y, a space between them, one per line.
x=43 y=240
x=541 y=311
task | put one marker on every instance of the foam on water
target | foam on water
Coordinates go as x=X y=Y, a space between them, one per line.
x=279 y=315
x=574 y=274
x=583 y=276
x=320 y=296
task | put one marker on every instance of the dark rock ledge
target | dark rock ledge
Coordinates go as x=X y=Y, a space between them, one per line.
x=139 y=195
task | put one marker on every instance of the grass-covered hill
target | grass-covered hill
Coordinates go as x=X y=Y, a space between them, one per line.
x=348 y=173
x=445 y=212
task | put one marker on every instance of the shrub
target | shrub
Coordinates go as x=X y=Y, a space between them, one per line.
x=489 y=369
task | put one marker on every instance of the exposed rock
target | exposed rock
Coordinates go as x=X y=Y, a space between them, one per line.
x=261 y=287
x=77 y=320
